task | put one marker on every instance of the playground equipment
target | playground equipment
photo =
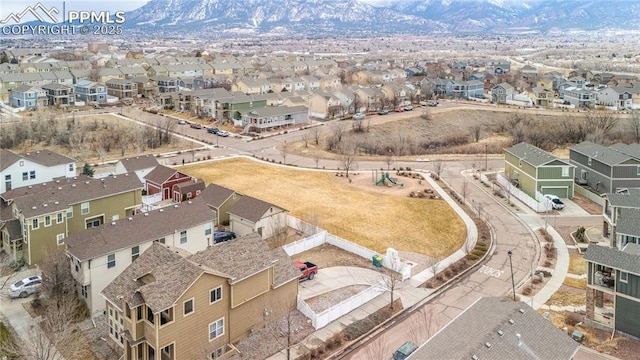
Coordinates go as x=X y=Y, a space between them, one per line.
x=385 y=178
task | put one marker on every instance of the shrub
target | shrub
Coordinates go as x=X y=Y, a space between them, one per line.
x=580 y=234
x=572 y=319
x=547 y=263
x=472 y=257
x=536 y=280
x=526 y=291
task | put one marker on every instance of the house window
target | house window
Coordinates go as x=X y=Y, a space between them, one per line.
x=216 y=329
x=47 y=220
x=32 y=174
x=111 y=261
x=25 y=176
x=150 y=316
x=218 y=352
x=161 y=240
x=151 y=352
x=565 y=171
x=167 y=352
x=70 y=167
x=59 y=218
x=34 y=223
x=188 y=307
x=215 y=294
x=21 y=162
x=84 y=208
x=166 y=316
x=127 y=311
x=60 y=239
x=624 y=276
x=85 y=291
x=638 y=171
x=95 y=222
x=183 y=237
x=139 y=313
x=135 y=252
x=207 y=229
x=70 y=212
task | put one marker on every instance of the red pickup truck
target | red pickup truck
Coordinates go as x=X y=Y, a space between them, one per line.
x=307 y=270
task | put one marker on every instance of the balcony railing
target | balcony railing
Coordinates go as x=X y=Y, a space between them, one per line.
x=604 y=279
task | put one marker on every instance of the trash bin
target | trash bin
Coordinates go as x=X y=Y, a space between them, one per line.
x=377 y=260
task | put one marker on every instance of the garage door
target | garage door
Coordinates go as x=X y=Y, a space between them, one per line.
x=561 y=192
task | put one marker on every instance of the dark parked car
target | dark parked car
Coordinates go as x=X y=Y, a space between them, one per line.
x=383 y=112
x=213 y=130
x=221 y=236
x=196 y=126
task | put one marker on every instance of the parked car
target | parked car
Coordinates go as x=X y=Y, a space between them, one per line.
x=434 y=103
x=26 y=286
x=196 y=126
x=404 y=351
x=222 y=236
x=383 y=112
x=408 y=108
x=213 y=130
x=358 y=116
x=182 y=122
x=307 y=270
x=556 y=203
x=399 y=110
x=223 y=133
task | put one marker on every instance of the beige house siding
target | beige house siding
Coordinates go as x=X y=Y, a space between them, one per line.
x=250 y=288
x=223 y=214
x=191 y=333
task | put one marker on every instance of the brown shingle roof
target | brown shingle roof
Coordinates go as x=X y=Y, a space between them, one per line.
x=163 y=273
x=47 y=158
x=102 y=240
x=139 y=162
x=59 y=196
x=160 y=174
x=7 y=158
x=250 y=208
x=216 y=195
x=189 y=186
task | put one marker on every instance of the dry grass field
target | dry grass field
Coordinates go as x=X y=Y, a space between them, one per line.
x=358 y=214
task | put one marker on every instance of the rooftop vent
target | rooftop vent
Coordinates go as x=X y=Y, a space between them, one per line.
x=113 y=223
x=56 y=202
x=474 y=357
x=44 y=184
x=75 y=178
x=114 y=176
x=33 y=208
x=521 y=311
x=511 y=321
x=45 y=205
x=130 y=218
x=30 y=186
x=146 y=214
x=73 y=185
x=500 y=332
x=59 y=187
x=37 y=151
x=519 y=338
x=488 y=345
x=87 y=182
x=57 y=181
x=161 y=210
x=175 y=206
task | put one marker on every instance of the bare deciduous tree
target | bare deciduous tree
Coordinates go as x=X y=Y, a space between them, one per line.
x=282 y=322
x=393 y=281
x=348 y=151
x=315 y=132
x=438 y=167
x=305 y=139
x=475 y=131
x=464 y=189
x=634 y=125
x=283 y=152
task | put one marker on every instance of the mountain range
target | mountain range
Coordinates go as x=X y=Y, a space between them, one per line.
x=381 y=17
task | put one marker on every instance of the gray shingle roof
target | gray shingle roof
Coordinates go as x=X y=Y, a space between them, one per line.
x=628 y=149
x=250 y=208
x=532 y=155
x=629 y=222
x=60 y=194
x=603 y=154
x=468 y=334
x=624 y=200
x=139 y=162
x=215 y=195
x=614 y=258
x=102 y=240
x=269 y=111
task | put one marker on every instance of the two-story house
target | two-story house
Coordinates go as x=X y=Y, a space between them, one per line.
x=620 y=218
x=98 y=255
x=613 y=287
x=122 y=89
x=501 y=93
x=580 y=97
x=542 y=97
x=442 y=87
x=618 y=97
x=28 y=97
x=141 y=165
x=34 y=167
x=51 y=211
x=91 y=92
x=173 y=305
x=534 y=170
x=271 y=117
x=605 y=169
x=60 y=95
x=219 y=199
x=468 y=89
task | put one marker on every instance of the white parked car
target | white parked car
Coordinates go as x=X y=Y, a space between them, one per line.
x=556 y=203
x=358 y=116
x=223 y=133
x=26 y=286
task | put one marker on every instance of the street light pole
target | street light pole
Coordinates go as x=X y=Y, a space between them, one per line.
x=513 y=284
x=486 y=161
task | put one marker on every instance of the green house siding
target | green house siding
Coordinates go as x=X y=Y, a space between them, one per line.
x=627 y=316
x=524 y=172
x=42 y=239
x=105 y=208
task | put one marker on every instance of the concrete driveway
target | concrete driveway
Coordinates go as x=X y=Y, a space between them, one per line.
x=572 y=209
x=336 y=277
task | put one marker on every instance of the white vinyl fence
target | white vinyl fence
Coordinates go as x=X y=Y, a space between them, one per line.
x=538 y=206
x=322 y=319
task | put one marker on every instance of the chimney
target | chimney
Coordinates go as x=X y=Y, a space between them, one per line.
x=519 y=338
